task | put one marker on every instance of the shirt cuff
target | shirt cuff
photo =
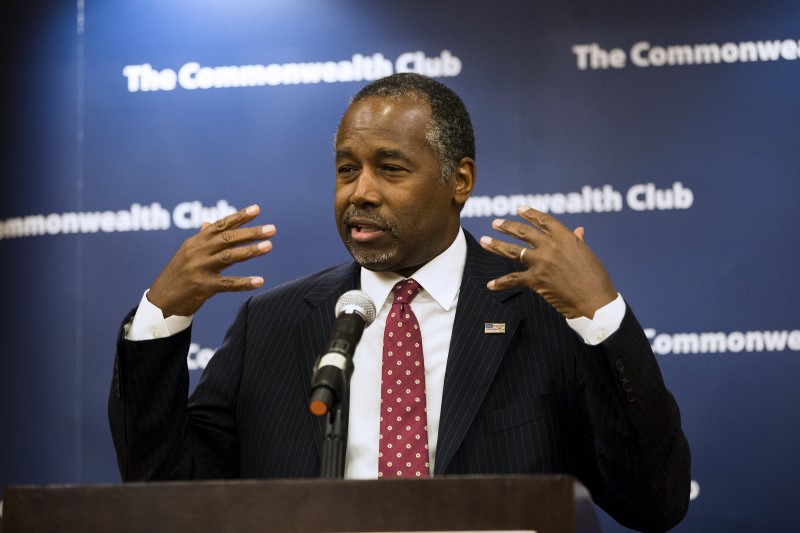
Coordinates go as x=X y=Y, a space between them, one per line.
x=605 y=323
x=149 y=323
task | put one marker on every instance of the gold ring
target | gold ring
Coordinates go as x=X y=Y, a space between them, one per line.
x=522 y=255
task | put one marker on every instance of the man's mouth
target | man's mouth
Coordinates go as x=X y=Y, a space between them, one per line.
x=365 y=230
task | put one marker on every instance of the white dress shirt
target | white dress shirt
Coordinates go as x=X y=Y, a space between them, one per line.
x=435 y=307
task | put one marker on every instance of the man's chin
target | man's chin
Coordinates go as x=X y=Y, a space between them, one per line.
x=371 y=262
x=376 y=260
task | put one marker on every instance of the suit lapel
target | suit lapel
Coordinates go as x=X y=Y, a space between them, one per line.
x=313 y=332
x=474 y=356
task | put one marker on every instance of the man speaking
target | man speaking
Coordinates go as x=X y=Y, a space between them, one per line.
x=499 y=356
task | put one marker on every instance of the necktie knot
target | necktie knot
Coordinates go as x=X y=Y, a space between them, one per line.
x=405 y=291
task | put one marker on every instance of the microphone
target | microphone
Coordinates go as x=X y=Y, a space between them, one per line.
x=332 y=371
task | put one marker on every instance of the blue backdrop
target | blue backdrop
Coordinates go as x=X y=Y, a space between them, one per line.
x=668 y=129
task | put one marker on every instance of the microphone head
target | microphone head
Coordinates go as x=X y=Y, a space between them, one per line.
x=356 y=302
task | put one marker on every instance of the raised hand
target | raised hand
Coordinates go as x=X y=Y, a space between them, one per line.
x=194 y=274
x=560 y=266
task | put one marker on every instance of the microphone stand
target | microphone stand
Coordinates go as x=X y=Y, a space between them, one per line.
x=325 y=400
x=334 y=444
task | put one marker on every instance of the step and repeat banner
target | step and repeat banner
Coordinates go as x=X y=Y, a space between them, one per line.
x=669 y=130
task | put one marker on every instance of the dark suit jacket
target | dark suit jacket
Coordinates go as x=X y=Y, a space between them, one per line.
x=533 y=400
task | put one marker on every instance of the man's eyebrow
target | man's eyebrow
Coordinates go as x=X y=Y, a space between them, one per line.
x=381 y=152
x=341 y=154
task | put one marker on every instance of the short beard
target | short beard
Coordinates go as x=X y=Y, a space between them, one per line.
x=370 y=261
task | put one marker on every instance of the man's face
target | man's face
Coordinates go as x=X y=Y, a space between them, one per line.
x=392 y=211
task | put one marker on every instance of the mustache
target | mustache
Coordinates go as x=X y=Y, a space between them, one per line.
x=369 y=214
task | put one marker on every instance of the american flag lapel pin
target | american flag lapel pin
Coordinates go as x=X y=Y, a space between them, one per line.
x=494 y=327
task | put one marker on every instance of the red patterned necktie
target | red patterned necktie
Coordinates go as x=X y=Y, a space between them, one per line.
x=403 y=447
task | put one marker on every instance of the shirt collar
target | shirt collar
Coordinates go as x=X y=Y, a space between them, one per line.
x=440 y=277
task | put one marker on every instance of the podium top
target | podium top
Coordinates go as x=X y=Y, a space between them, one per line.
x=554 y=503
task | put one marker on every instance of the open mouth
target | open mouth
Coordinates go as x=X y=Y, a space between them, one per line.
x=363 y=233
x=362 y=229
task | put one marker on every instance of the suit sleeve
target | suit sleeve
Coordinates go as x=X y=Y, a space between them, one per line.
x=158 y=432
x=639 y=468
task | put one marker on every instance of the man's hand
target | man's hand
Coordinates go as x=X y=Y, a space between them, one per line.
x=193 y=275
x=560 y=266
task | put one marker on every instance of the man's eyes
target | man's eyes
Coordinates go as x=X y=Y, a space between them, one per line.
x=386 y=168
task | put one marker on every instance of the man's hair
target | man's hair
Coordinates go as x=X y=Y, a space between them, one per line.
x=450 y=132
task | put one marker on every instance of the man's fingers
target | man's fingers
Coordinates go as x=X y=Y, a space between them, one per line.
x=233 y=255
x=537 y=227
x=245 y=235
x=227 y=231
x=519 y=230
x=509 y=281
x=235 y=284
x=239 y=218
x=548 y=224
x=217 y=240
x=512 y=251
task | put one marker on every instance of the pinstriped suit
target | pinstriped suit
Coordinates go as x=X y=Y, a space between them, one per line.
x=533 y=400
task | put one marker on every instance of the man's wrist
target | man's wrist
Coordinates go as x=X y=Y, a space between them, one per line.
x=606 y=322
x=149 y=323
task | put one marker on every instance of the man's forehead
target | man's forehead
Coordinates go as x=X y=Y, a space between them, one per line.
x=385 y=114
x=385 y=105
x=384 y=118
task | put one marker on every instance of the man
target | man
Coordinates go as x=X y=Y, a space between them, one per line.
x=525 y=393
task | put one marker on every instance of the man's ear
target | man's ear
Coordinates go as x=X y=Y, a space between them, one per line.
x=464 y=176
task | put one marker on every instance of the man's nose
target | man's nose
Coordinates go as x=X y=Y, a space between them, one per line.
x=367 y=189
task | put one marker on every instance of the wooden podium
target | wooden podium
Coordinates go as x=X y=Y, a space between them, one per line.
x=546 y=504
